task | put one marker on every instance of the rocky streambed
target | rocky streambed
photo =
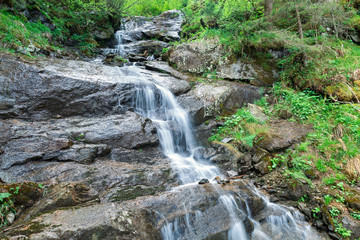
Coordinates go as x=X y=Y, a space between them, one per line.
x=71 y=127
x=85 y=143
x=70 y=123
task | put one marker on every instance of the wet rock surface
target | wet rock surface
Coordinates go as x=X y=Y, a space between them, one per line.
x=74 y=139
x=55 y=131
x=60 y=88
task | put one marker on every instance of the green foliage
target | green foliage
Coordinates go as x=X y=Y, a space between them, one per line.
x=329 y=181
x=164 y=50
x=235 y=127
x=355 y=215
x=341 y=230
x=76 y=22
x=334 y=212
x=321 y=149
x=315 y=212
x=327 y=199
x=7 y=205
x=151 y=8
x=16 y=31
x=304 y=198
x=277 y=161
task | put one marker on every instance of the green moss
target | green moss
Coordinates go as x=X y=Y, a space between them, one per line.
x=27 y=230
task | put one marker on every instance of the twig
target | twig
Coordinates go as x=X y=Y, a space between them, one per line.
x=25 y=60
x=237 y=177
x=351 y=90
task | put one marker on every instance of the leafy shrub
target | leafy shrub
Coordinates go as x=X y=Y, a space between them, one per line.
x=7 y=205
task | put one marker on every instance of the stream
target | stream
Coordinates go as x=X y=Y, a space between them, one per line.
x=176 y=136
x=121 y=149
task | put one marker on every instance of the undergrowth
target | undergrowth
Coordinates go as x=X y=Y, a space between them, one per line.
x=7 y=205
x=242 y=127
x=326 y=159
x=16 y=32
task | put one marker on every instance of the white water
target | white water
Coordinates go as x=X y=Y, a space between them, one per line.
x=237 y=231
x=119 y=48
x=174 y=131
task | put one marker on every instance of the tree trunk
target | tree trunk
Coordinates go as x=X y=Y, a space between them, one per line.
x=301 y=35
x=268 y=7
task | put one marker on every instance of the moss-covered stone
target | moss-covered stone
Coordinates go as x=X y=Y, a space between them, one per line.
x=264 y=166
x=344 y=92
x=24 y=194
x=353 y=201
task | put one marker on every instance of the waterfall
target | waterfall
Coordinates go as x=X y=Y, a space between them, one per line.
x=177 y=142
x=120 y=46
x=174 y=131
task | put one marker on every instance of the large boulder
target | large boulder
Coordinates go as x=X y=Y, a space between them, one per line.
x=197 y=57
x=209 y=56
x=209 y=99
x=282 y=135
x=70 y=150
x=75 y=139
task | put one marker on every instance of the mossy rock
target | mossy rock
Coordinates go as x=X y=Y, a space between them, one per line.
x=310 y=173
x=296 y=189
x=27 y=195
x=357 y=83
x=284 y=113
x=268 y=141
x=353 y=201
x=264 y=166
x=344 y=92
x=259 y=155
x=25 y=230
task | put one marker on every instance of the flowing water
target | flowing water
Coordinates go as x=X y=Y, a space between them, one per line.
x=179 y=145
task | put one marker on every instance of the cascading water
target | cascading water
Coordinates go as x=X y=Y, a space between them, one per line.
x=174 y=131
x=120 y=46
x=178 y=144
